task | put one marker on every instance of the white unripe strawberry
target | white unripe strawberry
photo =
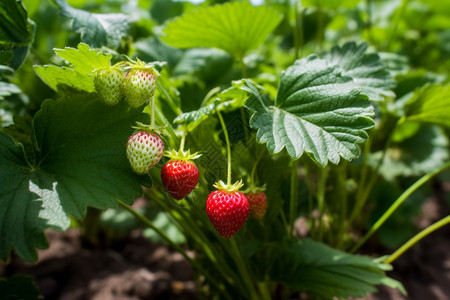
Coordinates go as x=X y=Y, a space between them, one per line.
x=139 y=87
x=144 y=151
x=108 y=84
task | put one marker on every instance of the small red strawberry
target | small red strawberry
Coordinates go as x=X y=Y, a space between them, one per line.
x=258 y=204
x=139 y=86
x=227 y=208
x=180 y=175
x=108 y=84
x=144 y=151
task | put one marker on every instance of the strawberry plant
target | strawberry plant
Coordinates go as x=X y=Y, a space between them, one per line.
x=332 y=112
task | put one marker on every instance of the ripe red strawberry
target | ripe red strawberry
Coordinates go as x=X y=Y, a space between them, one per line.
x=108 y=84
x=144 y=151
x=179 y=177
x=258 y=204
x=139 y=86
x=227 y=209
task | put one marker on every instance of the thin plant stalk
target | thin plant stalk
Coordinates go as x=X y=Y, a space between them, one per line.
x=369 y=19
x=243 y=270
x=396 y=23
x=321 y=190
x=320 y=27
x=417 y=238
x=365 y=187
x=227 y=141
x=397 y=203
x=294 y=198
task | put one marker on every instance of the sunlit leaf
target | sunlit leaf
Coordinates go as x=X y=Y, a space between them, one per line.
x=236 y=27
x=317 y=111
x=83 y=61
x=366 y=69
x=7 y=89
x=80 y=159
x=430 y=104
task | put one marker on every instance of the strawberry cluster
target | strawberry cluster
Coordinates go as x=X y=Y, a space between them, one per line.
x=136 y=82
x=227 y=208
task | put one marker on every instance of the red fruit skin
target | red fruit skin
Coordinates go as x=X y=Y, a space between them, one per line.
x=258 y=204
x=227 y=211
x=179 y=178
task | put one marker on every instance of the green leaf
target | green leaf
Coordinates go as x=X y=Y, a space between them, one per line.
x=228 y=100
x=235 y=27
x=19 y=287
x=80 y=160
x=367 y=70
x=325 y=272
x=14 y=25
x=430 y=104
x=417 y=155
x=20 y=225
x=7 y=89
x=97 y=30
x=317 y=111
x=83 y=61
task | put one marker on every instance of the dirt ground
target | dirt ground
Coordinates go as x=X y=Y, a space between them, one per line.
x=136 y=268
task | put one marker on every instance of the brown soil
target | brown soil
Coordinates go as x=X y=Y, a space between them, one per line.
x=132 y=270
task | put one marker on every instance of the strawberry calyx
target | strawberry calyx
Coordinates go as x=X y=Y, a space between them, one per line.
x=254 y=189
x=141 y=66
x=220 y=185
x=181 y=155
x=149 y=128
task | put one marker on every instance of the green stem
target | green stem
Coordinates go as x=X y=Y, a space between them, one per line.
x=148 y=223
x=397 y=203
x=243 y=270
x=227 y=141
x=364 y=189
x=252 y=175
x=320 y=27
x=296 y=31
x=183 y=140
x=152 y=109
x=243 y=66
x=321 y=190
x=396 y=23
x=209 y=95
x=417 y=238
x=294 y=197
x=163 y=120
x=369 y=19
x=172 y=103
x=301 y=36
x=342 y=195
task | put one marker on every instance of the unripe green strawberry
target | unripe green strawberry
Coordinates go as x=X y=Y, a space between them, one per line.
x=179 y=177
x=139 y=86
x=227 y=209
x=144 y=151
x=258 y=204
x=108 y=84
